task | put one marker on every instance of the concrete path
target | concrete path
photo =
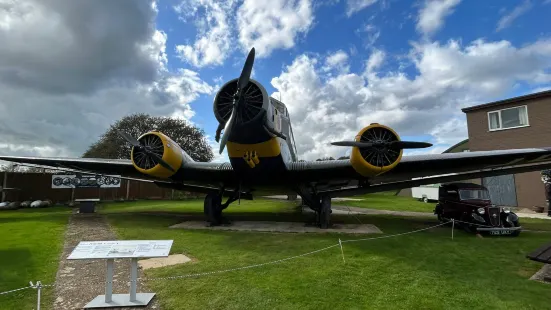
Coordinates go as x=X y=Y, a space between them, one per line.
x=80 y=281
x=287 y=227
x=541 y=216
x=340 y=209
x=284 y=197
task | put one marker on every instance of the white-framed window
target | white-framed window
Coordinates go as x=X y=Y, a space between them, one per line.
x=508 y=118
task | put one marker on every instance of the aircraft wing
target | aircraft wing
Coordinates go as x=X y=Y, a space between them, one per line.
x=425 y=169
x=207 y=175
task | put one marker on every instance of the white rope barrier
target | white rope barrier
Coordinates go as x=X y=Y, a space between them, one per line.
x=15 y=290
x=38 y=285
x=396 y=235
x=238 y=268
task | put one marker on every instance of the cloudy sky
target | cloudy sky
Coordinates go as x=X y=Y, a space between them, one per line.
x=69 y=69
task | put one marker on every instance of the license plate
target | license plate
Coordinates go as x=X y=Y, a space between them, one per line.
x=500 y=232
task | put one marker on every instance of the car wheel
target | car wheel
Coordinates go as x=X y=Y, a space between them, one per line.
x=425 y=200
x=516 y=233
x=467 y=227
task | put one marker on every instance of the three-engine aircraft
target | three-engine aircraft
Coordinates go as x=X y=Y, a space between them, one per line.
x=263 y=158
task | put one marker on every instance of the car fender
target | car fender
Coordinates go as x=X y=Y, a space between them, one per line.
x=512 y=217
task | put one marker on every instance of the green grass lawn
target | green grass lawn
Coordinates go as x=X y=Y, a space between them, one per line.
x=31 y=242
x=388 y=201
x=426 y=270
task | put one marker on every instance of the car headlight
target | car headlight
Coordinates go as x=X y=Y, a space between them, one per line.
x=506 y=209
x=481 y=210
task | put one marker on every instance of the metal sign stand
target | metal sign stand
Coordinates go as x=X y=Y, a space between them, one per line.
x=121 y=300
x=110 y=250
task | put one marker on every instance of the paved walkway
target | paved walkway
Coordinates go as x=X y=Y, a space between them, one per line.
x=541 y=216
x=340 y=209
x=80 y=281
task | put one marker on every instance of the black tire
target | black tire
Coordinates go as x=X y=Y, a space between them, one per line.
x=425 y=200
x=467 y=227
x=325 y=212
x=516 y=233
x=213 y=209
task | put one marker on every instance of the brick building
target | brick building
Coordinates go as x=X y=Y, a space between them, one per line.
x=520 y=122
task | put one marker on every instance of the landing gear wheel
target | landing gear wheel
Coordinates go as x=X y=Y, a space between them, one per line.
x=325 y=212
x=213 y=209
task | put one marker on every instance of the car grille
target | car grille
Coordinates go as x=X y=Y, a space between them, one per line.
x=493 y=214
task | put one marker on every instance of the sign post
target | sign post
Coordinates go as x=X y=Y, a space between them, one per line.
x=110 y=250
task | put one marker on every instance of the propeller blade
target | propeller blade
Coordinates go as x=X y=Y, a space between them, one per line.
x=353 y=143
x=133 y=141
x=246 y=72
x=227 y=129
x=160 y=160
x=242 y=82
x=408 y=145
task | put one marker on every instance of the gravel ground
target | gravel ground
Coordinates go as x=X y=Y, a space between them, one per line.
x=80 y=281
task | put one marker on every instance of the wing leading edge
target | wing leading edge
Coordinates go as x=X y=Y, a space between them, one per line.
x=202 y=176
x=427 y=169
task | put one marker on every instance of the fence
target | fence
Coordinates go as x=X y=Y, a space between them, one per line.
x=37 y=186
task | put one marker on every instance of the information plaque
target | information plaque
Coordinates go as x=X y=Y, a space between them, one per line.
x=110 y=250
x=121 y=249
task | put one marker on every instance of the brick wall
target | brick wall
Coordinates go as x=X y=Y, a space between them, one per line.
x=530 y=189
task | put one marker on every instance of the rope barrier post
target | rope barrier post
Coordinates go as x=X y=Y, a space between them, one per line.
x=453 y=227
x=38 y=287
x=342 y=251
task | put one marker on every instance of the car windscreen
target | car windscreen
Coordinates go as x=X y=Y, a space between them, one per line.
x=467 y=194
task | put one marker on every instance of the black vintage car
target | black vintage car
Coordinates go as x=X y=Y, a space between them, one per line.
x=470 y=204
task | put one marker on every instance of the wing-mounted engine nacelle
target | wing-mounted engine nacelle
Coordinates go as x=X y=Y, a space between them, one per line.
x=377 y=149
x=158 y=156
x=379 y=158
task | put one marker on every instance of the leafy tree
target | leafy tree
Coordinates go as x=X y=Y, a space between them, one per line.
x=344 y=157
x=190 y=138
x=325 y=158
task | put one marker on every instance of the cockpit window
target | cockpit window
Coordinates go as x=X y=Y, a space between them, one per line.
x=466 y=194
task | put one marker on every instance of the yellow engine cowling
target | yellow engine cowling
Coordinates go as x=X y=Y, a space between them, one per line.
x=371 y=162
x=163 y=146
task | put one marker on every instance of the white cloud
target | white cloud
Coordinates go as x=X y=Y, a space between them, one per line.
x=372 y=34
x=337 y=61
x=432 y=15
x=374 y=61
x=214 y=31
x=271 y=24
x=354 y=6
x=450 y=76
x=508 y=19
x=57 y=95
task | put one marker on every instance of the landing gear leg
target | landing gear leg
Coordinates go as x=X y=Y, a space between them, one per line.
x=324 y=214
x=213 y=209
x=320 y=203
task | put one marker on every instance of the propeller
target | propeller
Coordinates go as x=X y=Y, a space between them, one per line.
x=135 y=143
x=242 y=82
x=397 y=145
